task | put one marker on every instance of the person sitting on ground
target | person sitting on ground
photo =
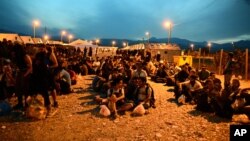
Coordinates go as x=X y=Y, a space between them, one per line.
x=190 y=88
x=139 y=72
x=8 y=80
x=130 y=96
x=192 y=72
x=205 y=96
x=96 y=64
x=161 y=74
x=180 y=77
x=115 y=96
x=243 y=107
x=98 y=81
x=115 y=74
x=144 y=94
x=183 y=74
x=203 y=74
x=73 y=75
x=222 y=105
x=216 y=81
x=63 y=81
x=88 y=62
x=151 y=69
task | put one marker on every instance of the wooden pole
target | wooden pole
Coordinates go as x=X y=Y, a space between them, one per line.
x=199 y=58
x=246 y=71
x=221 y=53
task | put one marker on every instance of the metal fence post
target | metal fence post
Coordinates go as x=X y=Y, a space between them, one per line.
x=246 y=71
x=220 y=69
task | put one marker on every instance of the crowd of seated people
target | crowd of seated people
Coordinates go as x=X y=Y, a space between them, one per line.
x=204 y=90
x=121 y=81
x=122 y=85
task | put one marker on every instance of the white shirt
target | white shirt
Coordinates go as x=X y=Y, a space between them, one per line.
x=197 y=85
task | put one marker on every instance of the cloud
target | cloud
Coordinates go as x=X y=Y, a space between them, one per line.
x=196 y=20
x=233 y=39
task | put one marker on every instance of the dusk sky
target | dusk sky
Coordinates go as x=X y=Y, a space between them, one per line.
x=196 y=20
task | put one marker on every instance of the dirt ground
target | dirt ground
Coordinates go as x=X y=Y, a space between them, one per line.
x=78 y=119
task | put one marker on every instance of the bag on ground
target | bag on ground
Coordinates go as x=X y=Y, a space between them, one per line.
x=139 y=110
x=35 y=109
x=5 y=108
x=104 y=111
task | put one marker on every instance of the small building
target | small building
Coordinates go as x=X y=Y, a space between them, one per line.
x=27 y=39
x=13 y=37
x=167 y=51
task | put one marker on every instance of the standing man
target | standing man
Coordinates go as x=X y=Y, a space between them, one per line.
x=90 y=52
x=228 y=70
x=85 y=52
x=24 y=64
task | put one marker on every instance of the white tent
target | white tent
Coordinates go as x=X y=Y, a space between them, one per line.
x=27 y=39
x=10 y=37
x=134 y=47
x=82 y=44
x=37 y=40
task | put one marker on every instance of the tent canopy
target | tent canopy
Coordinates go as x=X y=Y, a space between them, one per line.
x=163 y=46
x=80 y=42
x=27 y=39
x=13 y=37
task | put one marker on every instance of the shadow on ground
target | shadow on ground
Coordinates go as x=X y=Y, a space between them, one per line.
x=211 y=117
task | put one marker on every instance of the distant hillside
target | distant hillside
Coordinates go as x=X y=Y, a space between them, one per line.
x=6 y=31
x=183 y=43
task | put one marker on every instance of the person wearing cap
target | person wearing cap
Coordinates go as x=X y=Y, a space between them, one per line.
x=190 y=88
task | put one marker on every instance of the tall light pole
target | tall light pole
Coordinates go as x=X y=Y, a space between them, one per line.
x=46 y=38
x=168 y=25
x=209 y=47
x=113 y=43
x=148 y=35
x=192 y=47
x=70 y=37
x=62 y=34
x=36 y=23
x=97 y=41
x=124 y=44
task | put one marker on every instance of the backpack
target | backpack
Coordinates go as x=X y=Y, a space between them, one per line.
x=152 y=98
